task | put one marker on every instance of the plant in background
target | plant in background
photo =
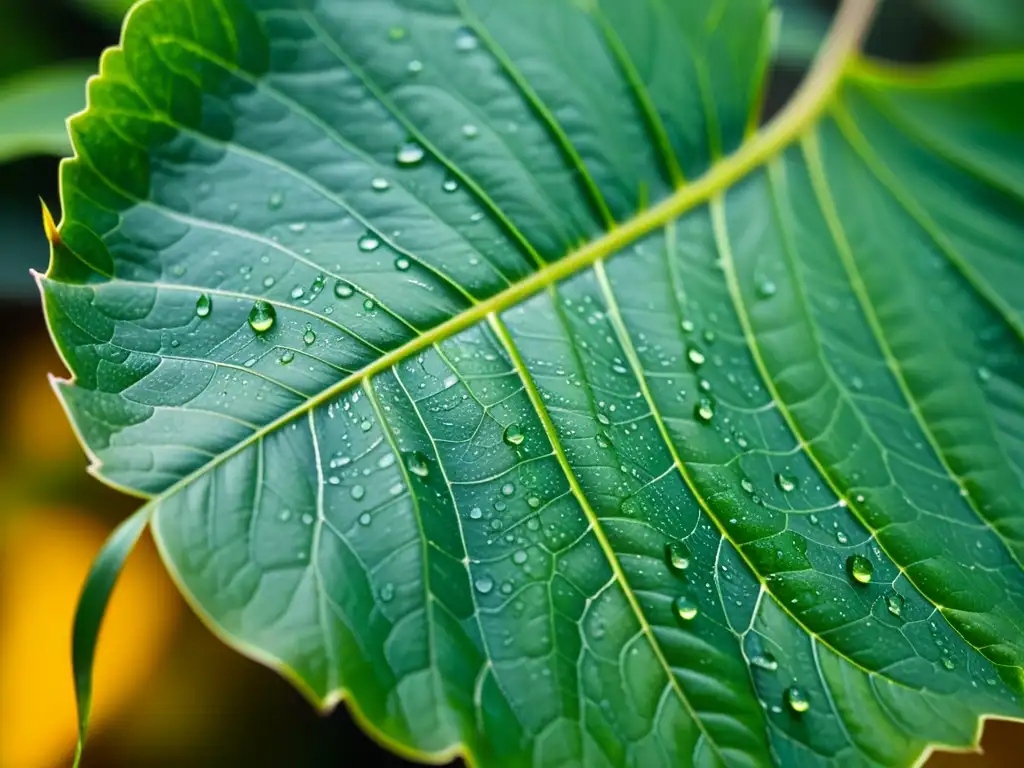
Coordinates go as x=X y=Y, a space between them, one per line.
x=486 y=364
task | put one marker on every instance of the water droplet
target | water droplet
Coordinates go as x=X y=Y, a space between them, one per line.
x=984 y=374
x=308 y=337
x=470 y=131
x=275 y=201
x=519 y=557
x=203 y=305
x=704 y=411
x=513 y=435
x=268 y=282
x=842 y=538
x=417 y=463
x=415 y=66
x=465 y=40
x=796 y=699
x=785 y=483
x=678 y=556
x=686 y=609
x=894 y=602
x=396 y=33
x=297 y=227
x=307 y=519
x=695 y=356
x=365 y=519
x=766 y=289
x=746 y=484
x=860 y=568
x=450 y=185
x=343 y=290
x=508 y=489
x=262 y=316
x=401 y=264
x=285 y=515
x=764 y=661
x=484 y=584
x=286 y=357
x=409 y=153
x=387 y=593
x=369 y=305
x=380 y=185
x=368 y=242
x=358 y=492
x=948 y=662
x=298 y=292
x=476 y=513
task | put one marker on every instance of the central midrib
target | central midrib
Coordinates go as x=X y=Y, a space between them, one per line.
x=787 y=126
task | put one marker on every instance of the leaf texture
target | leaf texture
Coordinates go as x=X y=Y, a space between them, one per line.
x=358 y=295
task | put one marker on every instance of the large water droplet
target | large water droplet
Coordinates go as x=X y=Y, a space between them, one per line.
x=785 y=482
x=417 y=463
x=369 y=242
x=308 y=337
x=860 y=568
x=513 y=435
x=262 y=316
x=519 y=557
x=409 y=153
x=678 y=556
x=203 y=305
x=796 y=699
x=343 y=290
x=686 y=609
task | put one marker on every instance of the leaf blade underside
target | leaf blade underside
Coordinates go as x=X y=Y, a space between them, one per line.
x=444 y=479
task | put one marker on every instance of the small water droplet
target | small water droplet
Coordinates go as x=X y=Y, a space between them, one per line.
x=470 y=131
x=275 y=201
x=984 y=374
x=860 y=568
x=203 y=305
x=415 y=66
x=508 y=489
x=450 y=185
x=465 y=40
x=365 y=519
x=343 y=290
x=695 y=356
x=796 y=699
x=387 y=593
x=358 y=492
x=368 y=242
x=262 y=316
x=894 y=602
x=298 y=292
x=307 y=519
x=686 y=609
x=785 y=482
x=417 y=463
x=484 y=584
x=766 y=288
x=369 y=305
x=519 y=557
x=948 y=662
x=764 y=661
x=268 y=282
x=286 y=357
x=366 y=425
x=513 y=435
x=842 y=538
x=285 y=515
x=476 y=513
x=704 y=411
x=401 y=264
x=409 y=153
x=380 y=184
x=746 y=484
x=677 y=555
x=309 y=336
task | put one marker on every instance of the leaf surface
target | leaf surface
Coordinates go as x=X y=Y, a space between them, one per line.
x=432 y=417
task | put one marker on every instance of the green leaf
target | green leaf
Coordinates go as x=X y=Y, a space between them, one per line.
x=34 y=106
x=484 y=365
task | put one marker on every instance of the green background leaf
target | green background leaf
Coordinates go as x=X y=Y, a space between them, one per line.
x=432 y=418
x=34 y=106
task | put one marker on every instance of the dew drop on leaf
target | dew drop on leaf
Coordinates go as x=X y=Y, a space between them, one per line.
x=343 y=290
x=475 y=513
x=358 y=492
x=387 y=592
x=677 y=555
x=396 y=33
x=450 y=185
x=401 y=264
x=785 y=482
x=365 y=519
x=262 y=316
x=508 y=489
x=380 y=184
x=409 y=153
x=766 y=289
x=796 y=699
x=860 y=568
x=695 y=356
x=368 y=242
x=203 y=305
x=417 y=463
x=286 y=357
x=470 y=131
x=308 y=337
x=484 y=584
x=513 y=435
x=704 y=411
x=275 y=201
x=415 y=66
x=948 y=662
x=764 y=661
x=465 y=40
x=369 y=305
x=894 y=602
x=686 y=609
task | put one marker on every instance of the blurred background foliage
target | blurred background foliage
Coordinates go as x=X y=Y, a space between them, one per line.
x=168 y=693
